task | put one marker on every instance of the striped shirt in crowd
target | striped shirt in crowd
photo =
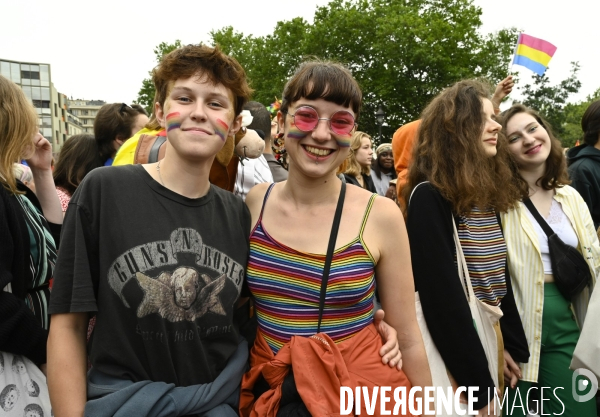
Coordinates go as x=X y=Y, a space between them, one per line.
x=485 y=252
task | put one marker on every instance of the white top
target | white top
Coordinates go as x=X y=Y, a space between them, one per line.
x=381 y=185
x=250 y=173
x=561 y=225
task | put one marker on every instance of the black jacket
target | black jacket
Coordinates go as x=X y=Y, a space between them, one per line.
x=21 y=333
x=369 y=185
x=446 y=311
x=584 y=170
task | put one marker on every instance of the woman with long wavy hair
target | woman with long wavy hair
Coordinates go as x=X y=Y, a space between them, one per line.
x=463 y=167
x=552 y=321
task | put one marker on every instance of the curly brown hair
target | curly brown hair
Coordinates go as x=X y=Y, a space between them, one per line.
x=190 y=60
x=448 y=153
x=556 y=174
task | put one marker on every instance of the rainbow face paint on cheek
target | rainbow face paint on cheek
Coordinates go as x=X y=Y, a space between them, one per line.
x=173 y=121
x=222 y=129
x=343 y=141
x=295 y=133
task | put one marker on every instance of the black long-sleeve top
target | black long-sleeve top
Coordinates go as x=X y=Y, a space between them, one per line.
x=445 y=306
x=21 y=332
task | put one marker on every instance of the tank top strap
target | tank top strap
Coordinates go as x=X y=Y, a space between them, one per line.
x=366 y=215
x=262 y=209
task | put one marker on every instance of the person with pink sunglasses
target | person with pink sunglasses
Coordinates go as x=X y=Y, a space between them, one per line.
x=318 y=247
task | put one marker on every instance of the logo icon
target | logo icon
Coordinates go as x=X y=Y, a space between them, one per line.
x=584 y=389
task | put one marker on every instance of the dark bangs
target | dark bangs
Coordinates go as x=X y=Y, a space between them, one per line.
x=323 y=79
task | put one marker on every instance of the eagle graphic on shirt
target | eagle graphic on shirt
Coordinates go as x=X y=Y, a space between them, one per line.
x=182 y=295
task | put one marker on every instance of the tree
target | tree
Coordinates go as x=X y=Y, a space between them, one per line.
x=550 y=101
x=401 y=52
x=146 y=94
x=573 y=115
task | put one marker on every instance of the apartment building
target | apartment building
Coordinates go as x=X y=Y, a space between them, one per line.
x=35 y=79
x=86 y=111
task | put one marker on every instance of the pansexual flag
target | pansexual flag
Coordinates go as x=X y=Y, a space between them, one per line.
x=533 y=53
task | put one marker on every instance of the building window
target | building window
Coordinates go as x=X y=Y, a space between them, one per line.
x=55 y=110
x=5 y=69
x=45 y=75
x=42 y=104
x=15 y=73
x=30 y=74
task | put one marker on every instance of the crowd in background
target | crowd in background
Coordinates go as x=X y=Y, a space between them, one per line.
x=217 y=231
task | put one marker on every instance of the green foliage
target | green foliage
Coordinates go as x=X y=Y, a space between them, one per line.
x=401 y=52
x=573 y=114
x=146 y=94
x=550 y=101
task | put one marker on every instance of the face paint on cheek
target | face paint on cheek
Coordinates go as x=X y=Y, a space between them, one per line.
x=343 y=141
x=222 y=129
x=173 y=121
x=295 y=133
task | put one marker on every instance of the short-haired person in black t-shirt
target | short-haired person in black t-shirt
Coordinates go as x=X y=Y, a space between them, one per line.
x=158 y=254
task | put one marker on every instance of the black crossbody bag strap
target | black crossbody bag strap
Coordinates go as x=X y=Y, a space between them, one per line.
x=330 y=248
x=537 y=216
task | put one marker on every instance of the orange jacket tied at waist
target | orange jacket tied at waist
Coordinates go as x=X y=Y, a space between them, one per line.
x=321 y=367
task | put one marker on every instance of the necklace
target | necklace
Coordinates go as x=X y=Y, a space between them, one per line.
x=159 y=175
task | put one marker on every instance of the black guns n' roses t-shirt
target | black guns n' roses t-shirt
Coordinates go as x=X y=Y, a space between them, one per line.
x=162 y=271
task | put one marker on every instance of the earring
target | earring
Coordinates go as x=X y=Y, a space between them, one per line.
x=278 y=146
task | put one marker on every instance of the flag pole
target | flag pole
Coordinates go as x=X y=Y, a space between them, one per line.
x=511 y=63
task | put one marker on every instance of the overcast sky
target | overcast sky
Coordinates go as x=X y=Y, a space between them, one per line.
x=102 y=50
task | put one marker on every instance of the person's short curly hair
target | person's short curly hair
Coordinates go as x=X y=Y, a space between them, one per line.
x=203 y=60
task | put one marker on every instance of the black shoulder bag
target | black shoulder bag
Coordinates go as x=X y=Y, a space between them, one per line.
x=570 y=270
x=330 y=248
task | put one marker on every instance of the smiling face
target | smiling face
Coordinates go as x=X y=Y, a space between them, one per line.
x=198 y=116
x=320 y=151
x=386 y=160
x=364 y=154
x=528 y=141
x=490 y=128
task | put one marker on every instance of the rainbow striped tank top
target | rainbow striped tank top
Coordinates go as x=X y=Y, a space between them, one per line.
x=286 y=285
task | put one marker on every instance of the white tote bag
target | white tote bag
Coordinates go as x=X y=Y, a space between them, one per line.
x=485 y=318
x=23 y=387
x=587 y=351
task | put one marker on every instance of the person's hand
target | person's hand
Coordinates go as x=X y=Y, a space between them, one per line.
x=43 y=368
x=512 y=372
x=390 y=351
x=41 y=158
x=503 y=89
